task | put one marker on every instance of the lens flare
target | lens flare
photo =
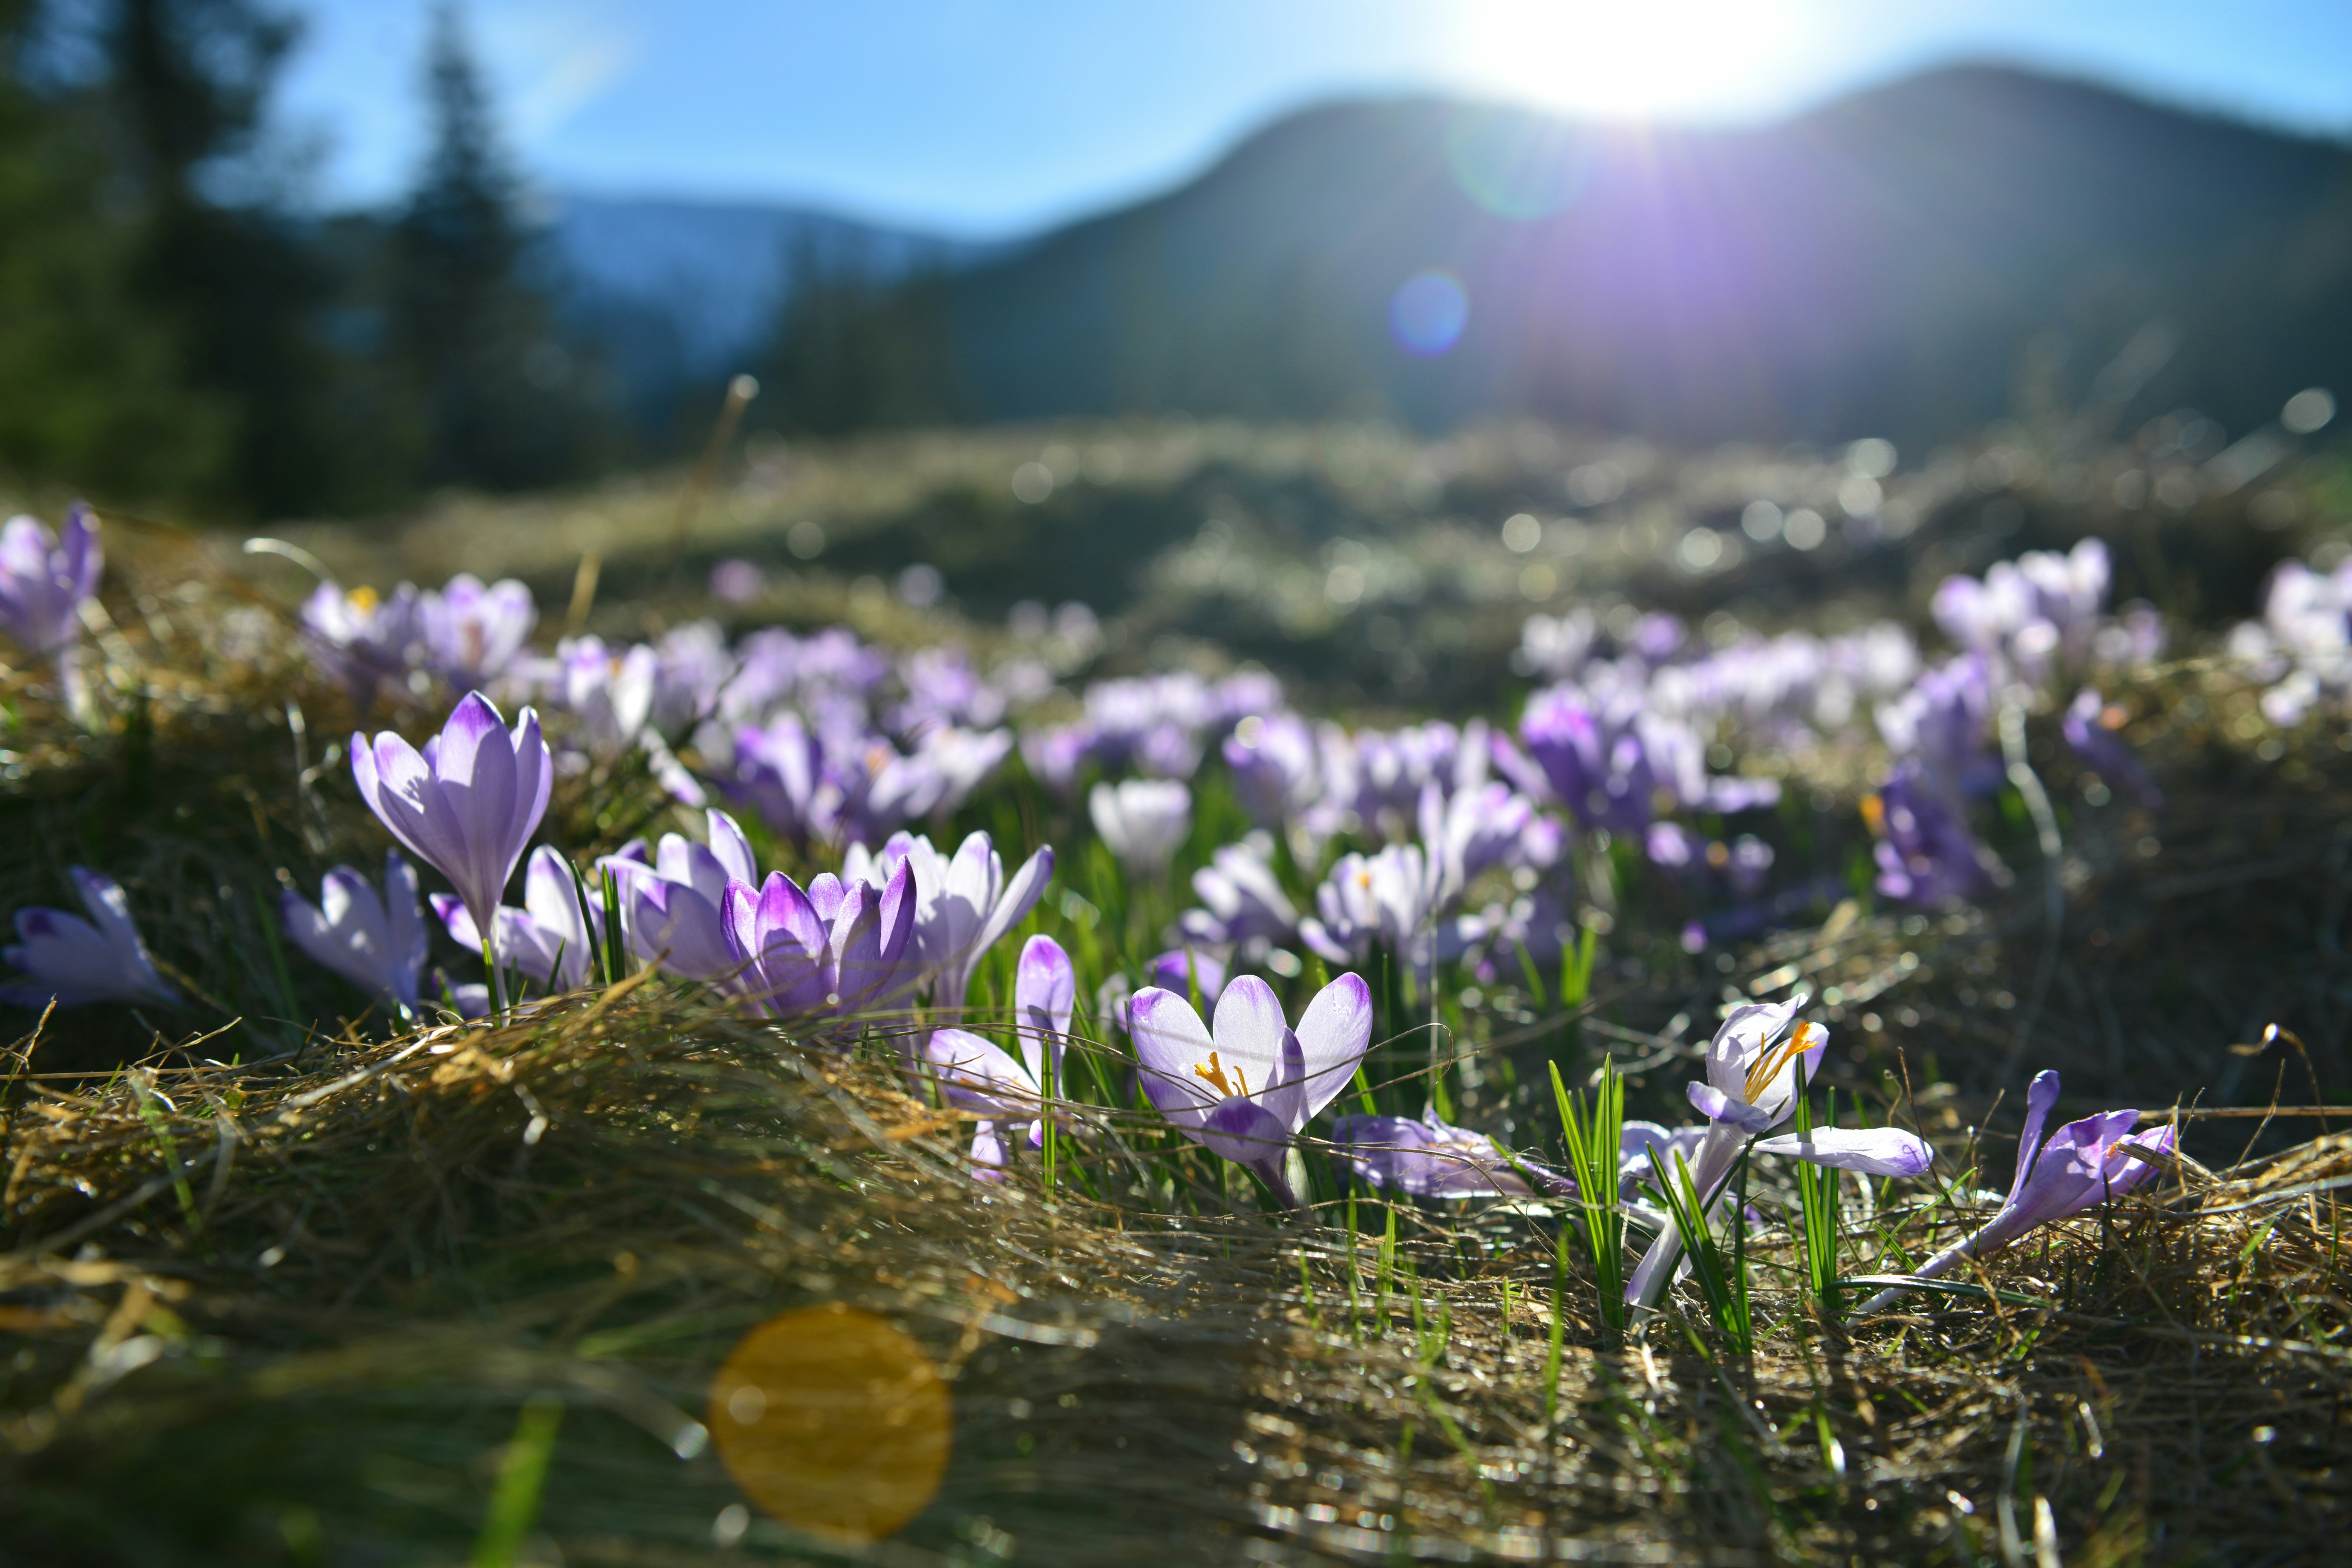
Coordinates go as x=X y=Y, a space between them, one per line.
x=833 y=1421
x=1516 y=164
x=1428 y=311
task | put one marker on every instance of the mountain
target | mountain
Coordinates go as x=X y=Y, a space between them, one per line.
x=1911 y=261
x=677 y=293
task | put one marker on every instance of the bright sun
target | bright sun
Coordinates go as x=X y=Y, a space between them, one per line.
x=1627 y=58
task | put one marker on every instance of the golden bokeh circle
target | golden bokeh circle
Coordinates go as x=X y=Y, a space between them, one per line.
x=833 y=1421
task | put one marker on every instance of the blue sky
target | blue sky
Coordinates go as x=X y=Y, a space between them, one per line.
x=992 y=117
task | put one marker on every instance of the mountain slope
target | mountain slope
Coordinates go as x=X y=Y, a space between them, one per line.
x=1883 y=264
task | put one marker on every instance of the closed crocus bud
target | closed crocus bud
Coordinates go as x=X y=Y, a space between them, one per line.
x=44 y=576
x=468 y=803
x=378 y=943
x=1144 y=821
x=72 y=961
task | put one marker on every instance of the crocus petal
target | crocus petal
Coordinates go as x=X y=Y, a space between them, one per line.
x=1333 y=1034
x=1044 y=992
x=681 y=860
x=1742 y=1036
x=1170 y=1042
x=678 y=929
x=1250 y=1034
x=2040 y=1100
x=406 y=937
x=1244 y=1132
x=732 y=849
x=788 y=944
x=980 y=1075
x=1020 y=896
x=1874 y=1151
x=1727 y=1108
x=552 y=900
x=1286 y=1096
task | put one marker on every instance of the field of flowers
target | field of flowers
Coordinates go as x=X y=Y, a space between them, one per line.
x=1860 y=1091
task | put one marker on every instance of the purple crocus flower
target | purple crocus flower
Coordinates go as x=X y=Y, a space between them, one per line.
x=1612 y=761
x=72 y=961
x=472 y=632
x=1474 y=829
x=368 y=644
x=1274 y=763
x=1925 y=854
x=778 y=769
x=608 y=691
x=1055 y=753
x=1429 y=1158
x=1387 y=898
x=1144 y=821
x=1757 y=1065
x=832 y=950
x=1245 y=1092
x=45 y=577
x=2090 y=727
x=670 y=905
x=1011 y=1091
x=1179 y=969
x=939 y=775
x=1246 y=906
x=378 y=943
x=468 y=803
x=2083 y=1166
x=964 y=905
x=547 y=939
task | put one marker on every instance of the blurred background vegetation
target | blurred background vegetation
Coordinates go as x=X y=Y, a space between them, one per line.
x=182 y=328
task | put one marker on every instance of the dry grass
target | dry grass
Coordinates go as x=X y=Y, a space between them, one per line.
x=270 y=1315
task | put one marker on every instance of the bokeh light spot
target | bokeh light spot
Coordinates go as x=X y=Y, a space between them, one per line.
x=2308 y=410
x=833 y=1421
x=1428 y=311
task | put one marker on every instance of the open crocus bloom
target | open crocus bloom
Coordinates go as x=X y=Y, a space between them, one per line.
x=70 y=961
x=1429 y=1158
x=468 y=803
x=2083 y=1166
x=1245 y=1092
x=1759 y=1062
x=964 y=905
x=376 y=943
x=836 y=949
x=547 y=939
x=1011 y=1091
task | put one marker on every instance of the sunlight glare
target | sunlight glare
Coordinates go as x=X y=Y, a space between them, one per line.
x=1629 y=61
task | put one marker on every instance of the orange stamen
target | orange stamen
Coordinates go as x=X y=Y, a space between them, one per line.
x=1800 y=1041
x=1215 y=1072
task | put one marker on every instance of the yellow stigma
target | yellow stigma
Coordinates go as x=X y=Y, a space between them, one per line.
x=1800 y=1039
x=362 y=599
x=1215 y=1073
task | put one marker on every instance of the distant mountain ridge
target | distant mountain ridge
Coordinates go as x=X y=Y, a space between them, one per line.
x=1912 y=260
x=1891 y=262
